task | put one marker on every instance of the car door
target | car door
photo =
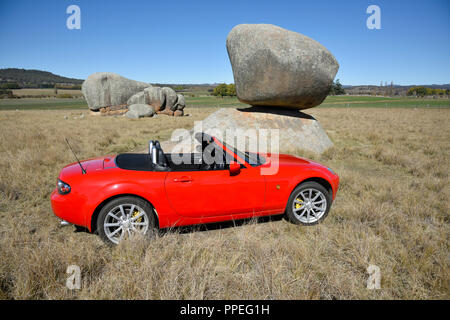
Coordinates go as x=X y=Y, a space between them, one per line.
x=200 y=194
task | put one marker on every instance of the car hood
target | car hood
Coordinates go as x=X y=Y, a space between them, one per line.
x=286 y=159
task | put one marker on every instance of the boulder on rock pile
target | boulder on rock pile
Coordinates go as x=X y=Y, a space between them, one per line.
x=276 y=67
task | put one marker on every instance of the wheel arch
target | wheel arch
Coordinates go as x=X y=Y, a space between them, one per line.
x=96 y=212
x=323 y=182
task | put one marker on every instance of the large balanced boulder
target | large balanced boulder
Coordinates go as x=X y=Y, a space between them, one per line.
x=276 y=67
x=105 y=89
x=136 y=111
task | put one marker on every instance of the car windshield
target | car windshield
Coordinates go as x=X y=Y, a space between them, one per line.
x=251 y=158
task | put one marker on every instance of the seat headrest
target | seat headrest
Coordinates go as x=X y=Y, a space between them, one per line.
x=154 y=153
x=151 y=143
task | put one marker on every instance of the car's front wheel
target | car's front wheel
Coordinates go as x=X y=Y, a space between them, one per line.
x=308 y=204
x=124 y=217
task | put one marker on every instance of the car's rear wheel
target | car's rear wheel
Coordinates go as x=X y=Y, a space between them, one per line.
x=308 y=204
x=125 y=217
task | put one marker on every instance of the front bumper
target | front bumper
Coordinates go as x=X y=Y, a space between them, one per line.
x=335 y=185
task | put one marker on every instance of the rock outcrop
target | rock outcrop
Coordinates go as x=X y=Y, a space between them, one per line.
x=278 y=72
x=296 y=130
x=106 y=89
x=112 y=94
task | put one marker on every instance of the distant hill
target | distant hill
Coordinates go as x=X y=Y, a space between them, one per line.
x=44 y=79
x=36 y=78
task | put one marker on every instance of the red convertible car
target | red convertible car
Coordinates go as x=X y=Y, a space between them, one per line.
x=117 y=196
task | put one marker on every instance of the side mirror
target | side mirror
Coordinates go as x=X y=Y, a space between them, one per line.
x=235 y=168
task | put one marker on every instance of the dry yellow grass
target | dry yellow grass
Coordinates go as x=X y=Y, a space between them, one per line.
x=392 y=211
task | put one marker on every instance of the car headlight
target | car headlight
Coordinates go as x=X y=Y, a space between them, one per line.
x=334 y=173
x=63 y=188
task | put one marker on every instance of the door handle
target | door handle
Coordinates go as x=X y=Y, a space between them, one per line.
x=183 y=179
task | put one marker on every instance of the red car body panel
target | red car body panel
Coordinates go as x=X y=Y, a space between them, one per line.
x=186 y=197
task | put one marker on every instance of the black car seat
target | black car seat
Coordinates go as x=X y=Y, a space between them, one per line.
x=161 y=157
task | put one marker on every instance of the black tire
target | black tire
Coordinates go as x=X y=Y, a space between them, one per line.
x=141 y=206
x=295 y=195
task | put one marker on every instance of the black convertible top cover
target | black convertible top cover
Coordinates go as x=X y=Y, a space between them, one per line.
x=134 y=161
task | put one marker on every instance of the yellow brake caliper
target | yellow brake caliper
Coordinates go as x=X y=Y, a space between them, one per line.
x=298 y=205
x=135 y=214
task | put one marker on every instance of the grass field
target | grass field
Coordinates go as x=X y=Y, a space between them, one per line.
x=392 y=211
x=43 y=104
x=211 y=101
x=46 y=92
x=335 y=102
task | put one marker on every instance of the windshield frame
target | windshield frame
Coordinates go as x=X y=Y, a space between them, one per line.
x=244 y=157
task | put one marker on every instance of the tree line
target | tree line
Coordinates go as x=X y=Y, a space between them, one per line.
x=424 y=91
x=229 y=90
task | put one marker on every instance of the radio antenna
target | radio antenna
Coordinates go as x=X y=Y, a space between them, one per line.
x=82 y=169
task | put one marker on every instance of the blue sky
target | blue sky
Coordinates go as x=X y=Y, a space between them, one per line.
x=184 y=41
